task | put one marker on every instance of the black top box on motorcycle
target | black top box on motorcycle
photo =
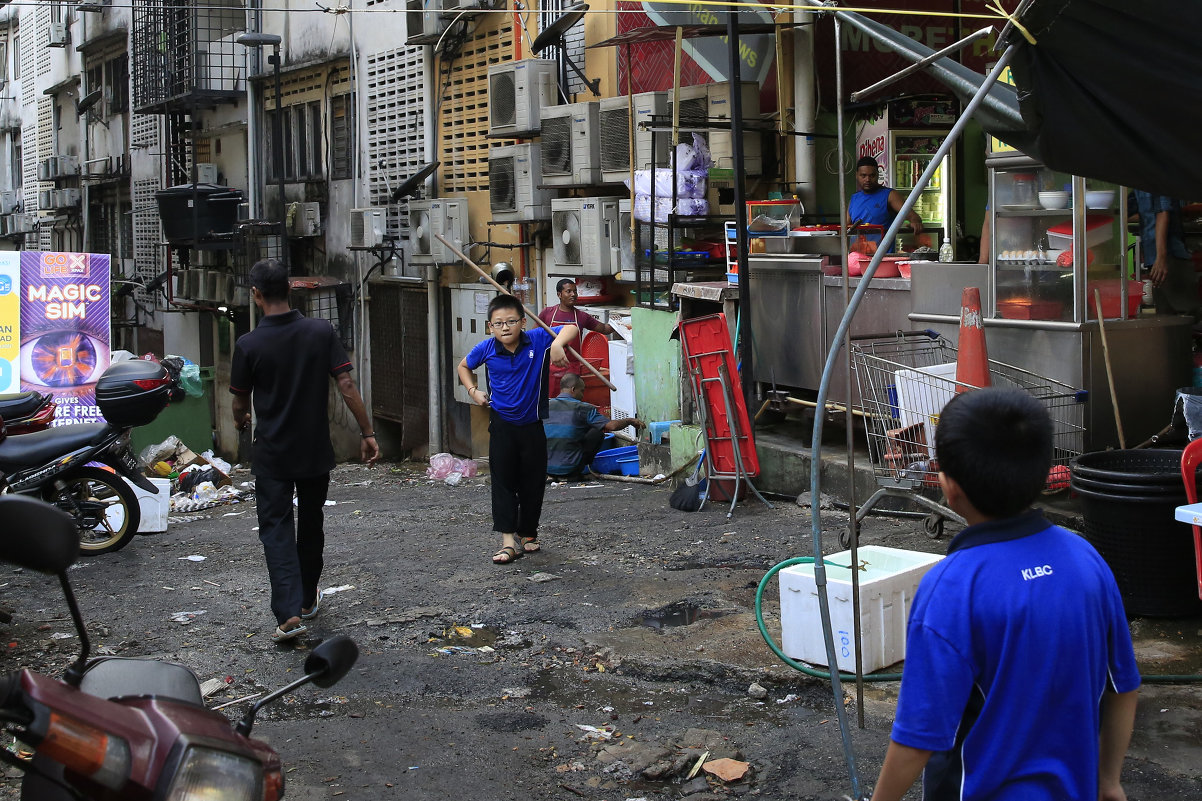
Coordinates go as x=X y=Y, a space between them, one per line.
x=133 y=393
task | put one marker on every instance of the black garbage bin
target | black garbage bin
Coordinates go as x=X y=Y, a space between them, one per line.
x=1128 y=499
x=193 y=212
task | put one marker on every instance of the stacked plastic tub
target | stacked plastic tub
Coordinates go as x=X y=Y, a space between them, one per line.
x=1128 y=498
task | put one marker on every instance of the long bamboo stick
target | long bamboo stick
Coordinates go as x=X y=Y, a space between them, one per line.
x=529 y=313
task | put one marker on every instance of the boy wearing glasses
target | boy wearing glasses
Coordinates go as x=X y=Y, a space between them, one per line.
x=518 y=363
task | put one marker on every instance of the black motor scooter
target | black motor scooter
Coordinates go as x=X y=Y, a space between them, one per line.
x=80 y=468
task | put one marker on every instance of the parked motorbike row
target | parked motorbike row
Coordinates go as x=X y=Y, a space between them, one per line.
x=80 y=468
x=115 y=728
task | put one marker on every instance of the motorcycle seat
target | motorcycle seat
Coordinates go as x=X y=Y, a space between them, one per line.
x=119 y=677
x=40 y=447
x=19 y=404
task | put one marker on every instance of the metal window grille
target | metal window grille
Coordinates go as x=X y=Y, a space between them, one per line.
x=551 y=10
x=186 y=52
x=396 y=142
x=342 y=143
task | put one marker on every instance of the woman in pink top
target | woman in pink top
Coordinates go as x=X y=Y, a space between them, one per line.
x=566 y=313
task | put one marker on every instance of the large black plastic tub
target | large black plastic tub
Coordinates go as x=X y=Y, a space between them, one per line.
x=195 y=212
x=1128 y=499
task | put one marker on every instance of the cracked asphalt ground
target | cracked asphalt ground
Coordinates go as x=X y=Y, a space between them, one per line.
x=601 y=668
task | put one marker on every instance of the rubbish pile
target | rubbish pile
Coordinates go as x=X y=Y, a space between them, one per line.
x=198 y=481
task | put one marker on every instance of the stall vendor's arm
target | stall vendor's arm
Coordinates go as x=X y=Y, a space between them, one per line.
x=1160 y=267
x=559 y=356
x=896 y=201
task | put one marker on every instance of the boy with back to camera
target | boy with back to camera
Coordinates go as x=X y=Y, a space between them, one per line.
x=1020 y=681
x=517 y=365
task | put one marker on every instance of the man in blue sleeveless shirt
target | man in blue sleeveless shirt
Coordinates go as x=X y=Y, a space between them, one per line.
x=875 y=204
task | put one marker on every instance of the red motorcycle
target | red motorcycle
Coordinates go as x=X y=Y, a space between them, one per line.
x=117 y=728
x=26 y=412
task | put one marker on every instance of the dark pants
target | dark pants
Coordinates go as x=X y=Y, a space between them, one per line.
x=590 y=446
x=294 y=554
x=517 y=462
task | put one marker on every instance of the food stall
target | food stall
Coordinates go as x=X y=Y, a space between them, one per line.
x=1058 y=248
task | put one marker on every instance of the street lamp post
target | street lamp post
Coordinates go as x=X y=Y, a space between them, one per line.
x=261 y=40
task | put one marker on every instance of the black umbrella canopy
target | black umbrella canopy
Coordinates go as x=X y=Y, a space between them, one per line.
x=1113 y=90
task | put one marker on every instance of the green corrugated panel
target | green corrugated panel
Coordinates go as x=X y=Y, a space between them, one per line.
x=656 y=364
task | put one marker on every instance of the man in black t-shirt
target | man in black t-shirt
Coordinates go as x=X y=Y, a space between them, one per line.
x=286 y=364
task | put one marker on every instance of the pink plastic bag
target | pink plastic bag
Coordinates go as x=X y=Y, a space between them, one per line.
x=441 y=466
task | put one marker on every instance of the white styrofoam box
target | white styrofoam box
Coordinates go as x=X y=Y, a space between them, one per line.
x=888 y=579
x=1099 y=228
x=155 y=508
x=921 y=395
x=621 y=375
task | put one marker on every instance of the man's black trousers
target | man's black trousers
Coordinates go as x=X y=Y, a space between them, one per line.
x=294 y=554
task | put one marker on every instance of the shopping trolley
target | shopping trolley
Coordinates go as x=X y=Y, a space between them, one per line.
x=905 y=379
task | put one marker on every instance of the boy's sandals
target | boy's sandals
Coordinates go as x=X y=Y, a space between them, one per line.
x=530 y=545
x=282 y=635
x=506 y=555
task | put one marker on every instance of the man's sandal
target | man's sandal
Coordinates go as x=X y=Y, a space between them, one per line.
x=506 y=555
x=283 y=635
x=530 y=545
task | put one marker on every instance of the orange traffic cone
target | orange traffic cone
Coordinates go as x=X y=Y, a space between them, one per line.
x=972 y=363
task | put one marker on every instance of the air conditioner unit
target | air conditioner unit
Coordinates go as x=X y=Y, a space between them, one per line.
x=6 y=225
x=430 y=218
x=613 y=122
x=515 y=180
x=66 y=198
x=56 y=167
x=721 y=148
x=517 y=91
x=206 y=173
x=9 y=201
x=305 y=218
x=46 y=199
x=204 y=258
x=571 y=145
x=58 y=35
x=694 y=111
x=585 y=234
x=367 y=227
x=626 y=261
x=423 y=21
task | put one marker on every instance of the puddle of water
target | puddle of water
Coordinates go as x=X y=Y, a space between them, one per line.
x=679 y=614
x=469 y=636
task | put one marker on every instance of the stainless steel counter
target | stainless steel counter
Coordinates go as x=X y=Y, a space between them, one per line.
x=884 y=308
x=1150 y=355
x=786 y=318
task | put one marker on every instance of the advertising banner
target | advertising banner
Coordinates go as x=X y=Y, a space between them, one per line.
x=65 y=329
x=10 y=321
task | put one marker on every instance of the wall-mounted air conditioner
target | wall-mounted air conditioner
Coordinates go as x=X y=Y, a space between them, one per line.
x=6 y=225
x=24 y=223
x=721 y=149
x=206 y=173
x=9 y=201
x=428 y=219
x=613 y=121
x=571 y=145
x=694 y=110
x=58 y=35
x=367 y=227
x=45 y=199
x=66 y=198
x=515 y=180
x=585 y=235
x=423 y=21
x=55 y=167
x=305 y=218
x=517 y=91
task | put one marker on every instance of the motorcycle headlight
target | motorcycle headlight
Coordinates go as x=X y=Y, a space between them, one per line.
x=208 y=775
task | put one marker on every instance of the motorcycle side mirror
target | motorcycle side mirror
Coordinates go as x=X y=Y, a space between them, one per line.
x=37 y=535
x=331 y=660
x=328 y=663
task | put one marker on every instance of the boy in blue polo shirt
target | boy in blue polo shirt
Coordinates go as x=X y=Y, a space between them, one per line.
x=1020 y=681
x=517 y=365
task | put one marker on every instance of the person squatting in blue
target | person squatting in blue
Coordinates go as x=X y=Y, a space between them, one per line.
x=1020 y=680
